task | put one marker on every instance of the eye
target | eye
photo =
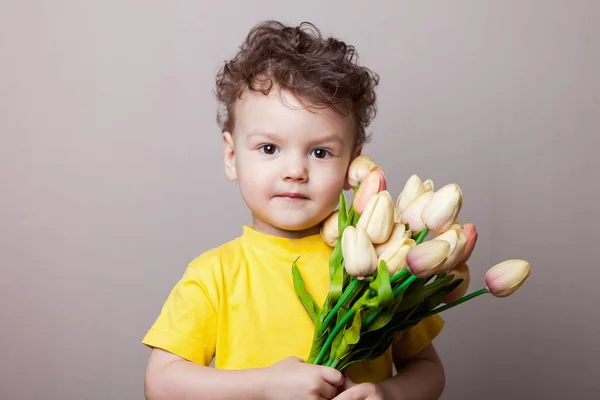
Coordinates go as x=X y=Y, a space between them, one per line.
x=321 y=153
x=268 y=149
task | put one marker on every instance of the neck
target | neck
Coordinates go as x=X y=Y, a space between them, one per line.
x=263 y=227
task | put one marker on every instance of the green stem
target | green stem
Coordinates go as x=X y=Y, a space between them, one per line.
x=332 y=335
x=396 y=291
x=351 y=313
x=399 y=275
x=404 y=285
x=421 y=237
x=453 y=304
x=333 y=363
x=339 y=304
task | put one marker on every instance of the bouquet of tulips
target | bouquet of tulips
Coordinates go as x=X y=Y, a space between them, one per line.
x=384 y=276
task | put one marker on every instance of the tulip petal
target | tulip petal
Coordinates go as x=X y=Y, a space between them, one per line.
x=412 y=215
x=395 y=240
x=424 y=259
x=330 y=229
x=359 y=169
x=471 y=234
x=412 y=189
x=428 y=185
x=374 y=183
x=441 y=212
x=395 y=258
x=505 y=278
x=458 y=241
x=378 y=217
x=359 y=254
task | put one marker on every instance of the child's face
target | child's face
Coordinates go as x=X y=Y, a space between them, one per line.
x=291 y=163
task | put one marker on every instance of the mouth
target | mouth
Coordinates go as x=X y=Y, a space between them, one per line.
x=290 y=195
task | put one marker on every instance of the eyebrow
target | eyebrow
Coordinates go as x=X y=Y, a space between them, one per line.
x=268 y=135
x=273 y=136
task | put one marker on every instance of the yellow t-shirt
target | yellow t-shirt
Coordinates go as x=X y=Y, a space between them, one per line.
x=237 y=302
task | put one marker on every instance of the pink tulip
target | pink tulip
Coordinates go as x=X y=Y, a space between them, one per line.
x=504 y=278
x=425 y=259
x=471 y=234
x=374 y=183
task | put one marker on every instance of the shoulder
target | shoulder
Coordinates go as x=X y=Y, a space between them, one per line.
x=212 y=262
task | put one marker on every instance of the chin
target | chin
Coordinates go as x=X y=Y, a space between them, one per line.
x=294 y=225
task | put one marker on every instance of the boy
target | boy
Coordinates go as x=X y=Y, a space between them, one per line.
x=295 y=111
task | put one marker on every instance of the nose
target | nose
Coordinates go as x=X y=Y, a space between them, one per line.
x=295 y=169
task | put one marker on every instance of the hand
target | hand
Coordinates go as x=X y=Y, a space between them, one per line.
x=293 y=379
x=359 y=391
x=471 y=234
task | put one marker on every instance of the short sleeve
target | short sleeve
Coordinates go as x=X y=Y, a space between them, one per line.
x=414 y=340
x=187 y=323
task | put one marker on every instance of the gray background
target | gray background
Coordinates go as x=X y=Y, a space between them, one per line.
x=111 y=172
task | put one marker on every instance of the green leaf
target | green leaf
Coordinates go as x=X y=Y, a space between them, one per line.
x=350 y=337
x=336 y=259
x=419 y=295
x=319 y=339
x=337 y=283
x=343 y=214
x=306 y=298
x=435 y=299
x=382 y=319
x=381 y=285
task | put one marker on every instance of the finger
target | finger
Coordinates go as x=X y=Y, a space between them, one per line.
x=350 y=395
x=471 y=234
x=332 y=376
x=348 y=383
x=328 y=391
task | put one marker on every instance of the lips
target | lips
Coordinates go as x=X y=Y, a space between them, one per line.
x=291 y=195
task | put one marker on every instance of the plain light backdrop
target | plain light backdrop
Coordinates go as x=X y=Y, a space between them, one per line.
x=111 y=175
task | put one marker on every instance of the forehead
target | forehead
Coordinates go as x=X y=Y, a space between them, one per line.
x=282 y=113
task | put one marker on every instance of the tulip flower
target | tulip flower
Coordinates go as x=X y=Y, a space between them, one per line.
x=359 y=254
x=374 y=183
x=359 y=169
x=471 y=234
x=377 y=218
x=424 y=259
x=330 y=230
x=399 y=233
x=460 y=272
x=504 y=278
x=428 y=185
x=458 y=242
x=412 y=189
x=441 y=212
x=412 y=215
x=395 y=257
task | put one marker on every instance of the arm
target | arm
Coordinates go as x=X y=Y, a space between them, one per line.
x=170 y=377
x=419 y=378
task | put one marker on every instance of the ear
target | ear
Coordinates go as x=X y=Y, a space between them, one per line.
x=355 y=153
x=229 y=155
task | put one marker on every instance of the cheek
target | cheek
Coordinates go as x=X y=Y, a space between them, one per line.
x=330 y=188
x=255 y=182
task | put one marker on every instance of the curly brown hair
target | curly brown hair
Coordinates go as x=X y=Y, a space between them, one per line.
x=322 y=72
